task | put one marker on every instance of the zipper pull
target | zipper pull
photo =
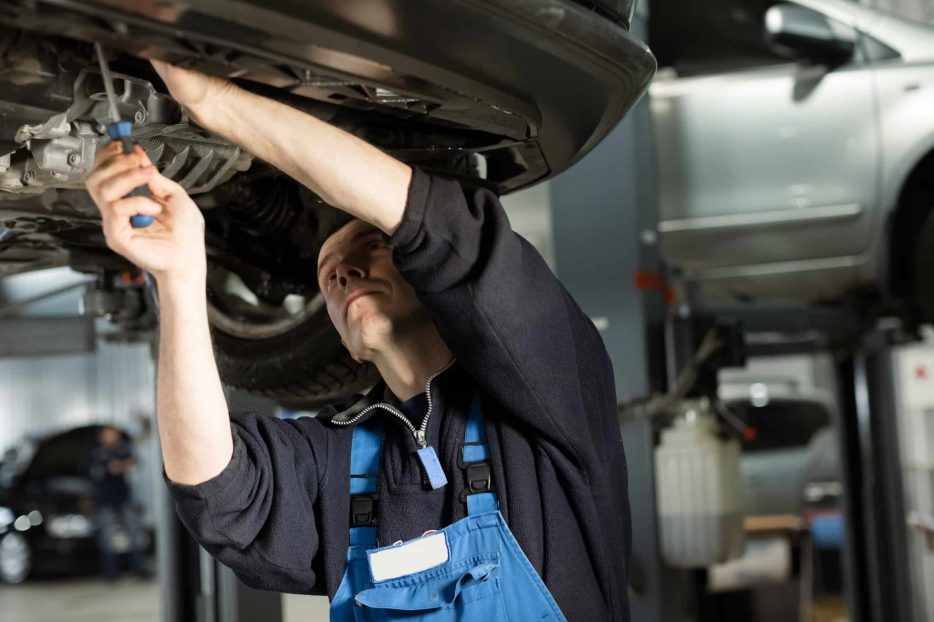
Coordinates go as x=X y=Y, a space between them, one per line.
x=430 y=462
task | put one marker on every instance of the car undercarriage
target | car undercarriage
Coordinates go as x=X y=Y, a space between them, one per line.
x=402 y=77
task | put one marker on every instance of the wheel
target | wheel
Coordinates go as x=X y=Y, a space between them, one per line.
x=290 y=353
x=15 y=558
x=924 y=270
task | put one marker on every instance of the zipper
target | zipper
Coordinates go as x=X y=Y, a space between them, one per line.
x=418 y=434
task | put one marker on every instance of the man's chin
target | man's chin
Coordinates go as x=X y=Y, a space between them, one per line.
x=370 y=330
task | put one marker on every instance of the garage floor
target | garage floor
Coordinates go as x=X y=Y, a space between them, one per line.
x=129 y=600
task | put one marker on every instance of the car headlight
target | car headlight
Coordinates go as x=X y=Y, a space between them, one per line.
x=6 y=516
x=69 y=526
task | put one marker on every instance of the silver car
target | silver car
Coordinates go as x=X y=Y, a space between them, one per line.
x=796 y=152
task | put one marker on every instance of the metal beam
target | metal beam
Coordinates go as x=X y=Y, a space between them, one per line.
x=46 y=336
x=14 y=307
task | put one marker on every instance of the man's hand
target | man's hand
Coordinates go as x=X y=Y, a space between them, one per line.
x=172 y=247
x=191 y=89
x=193 y=423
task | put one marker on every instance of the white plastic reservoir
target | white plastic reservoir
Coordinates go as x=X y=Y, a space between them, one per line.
x=698 y=487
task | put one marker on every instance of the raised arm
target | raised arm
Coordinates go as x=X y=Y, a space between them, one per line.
x=192 y=411
x=223 y=487
x=345 y=171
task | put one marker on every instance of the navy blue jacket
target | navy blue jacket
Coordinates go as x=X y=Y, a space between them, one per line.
x=110 y=490
x=279 y=513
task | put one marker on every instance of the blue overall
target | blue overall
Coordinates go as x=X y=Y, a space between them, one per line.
x=483 y=576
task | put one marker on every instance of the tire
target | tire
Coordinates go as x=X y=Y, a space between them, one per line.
x=303 y=364
x=924 y=270
x=15 y=558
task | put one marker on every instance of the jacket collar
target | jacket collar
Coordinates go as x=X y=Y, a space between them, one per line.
x=377 y=394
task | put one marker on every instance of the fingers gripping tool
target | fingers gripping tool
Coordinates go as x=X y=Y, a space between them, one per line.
x=121 y=131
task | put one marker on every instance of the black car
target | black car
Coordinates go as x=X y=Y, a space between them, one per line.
x=502 y=93
x=47 y=513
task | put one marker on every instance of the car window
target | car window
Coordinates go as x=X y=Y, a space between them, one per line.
x=709 y=37
x=780 y=424
x=874 y=51
x=697 y=38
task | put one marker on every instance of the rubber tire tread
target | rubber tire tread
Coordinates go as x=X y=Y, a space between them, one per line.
x=305 y=367
x=924 y=270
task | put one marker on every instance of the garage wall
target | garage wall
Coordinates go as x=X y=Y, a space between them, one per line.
x=47 y=394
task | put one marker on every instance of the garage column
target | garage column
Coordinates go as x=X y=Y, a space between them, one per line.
x=194 y=586
x=604 y=212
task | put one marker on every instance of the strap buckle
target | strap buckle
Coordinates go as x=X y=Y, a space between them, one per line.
x=479 y=475
x=363 y=510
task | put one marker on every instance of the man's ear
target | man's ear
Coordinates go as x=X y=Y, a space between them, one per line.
x=352 y=355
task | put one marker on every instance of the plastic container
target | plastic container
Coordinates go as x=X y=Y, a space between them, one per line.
x=698 y=486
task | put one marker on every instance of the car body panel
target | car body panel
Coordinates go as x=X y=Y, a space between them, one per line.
x=763 y=156
x=778 y=181
x=545 y=80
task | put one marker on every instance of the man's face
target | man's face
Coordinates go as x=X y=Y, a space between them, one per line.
x=109 y=437
x=367 y=299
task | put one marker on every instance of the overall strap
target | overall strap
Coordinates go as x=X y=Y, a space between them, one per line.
x=480 y=495
x=365 y=450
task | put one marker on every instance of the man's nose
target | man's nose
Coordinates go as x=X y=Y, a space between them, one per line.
x=346 y=272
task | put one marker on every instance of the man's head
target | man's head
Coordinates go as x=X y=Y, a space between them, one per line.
x=109 y=436
x=368 y=301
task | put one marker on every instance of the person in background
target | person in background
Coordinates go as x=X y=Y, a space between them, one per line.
x=110 y=461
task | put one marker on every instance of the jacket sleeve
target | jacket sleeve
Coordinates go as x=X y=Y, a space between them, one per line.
x=258 y=516
x=504 y=314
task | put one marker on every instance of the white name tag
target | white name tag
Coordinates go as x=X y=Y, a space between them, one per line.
x=409 y=558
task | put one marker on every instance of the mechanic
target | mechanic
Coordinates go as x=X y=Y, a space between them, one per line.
x=488 y=366
x=109 y=462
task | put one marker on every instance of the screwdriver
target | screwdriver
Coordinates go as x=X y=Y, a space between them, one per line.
x=122 y=131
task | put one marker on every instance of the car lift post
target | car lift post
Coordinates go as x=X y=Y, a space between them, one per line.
x=607 y=204
x=875 y=555
x=877 y=533
x=194 y=587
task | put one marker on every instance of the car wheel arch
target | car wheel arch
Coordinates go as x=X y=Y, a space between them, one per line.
x=912 y=205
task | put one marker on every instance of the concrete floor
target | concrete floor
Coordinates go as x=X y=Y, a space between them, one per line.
x=128 y=600
x=80 y=600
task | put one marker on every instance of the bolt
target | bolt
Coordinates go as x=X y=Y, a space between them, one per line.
x=74 y=159
x=140 y=117
x=28 y=177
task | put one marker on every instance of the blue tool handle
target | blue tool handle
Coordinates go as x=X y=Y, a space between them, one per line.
x=122 y=131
